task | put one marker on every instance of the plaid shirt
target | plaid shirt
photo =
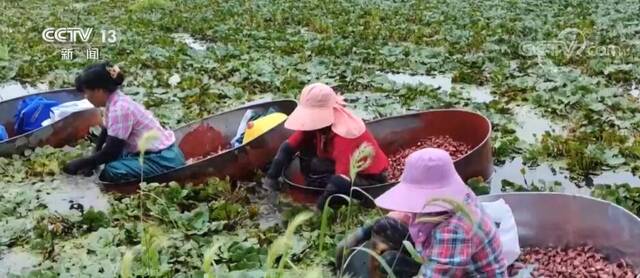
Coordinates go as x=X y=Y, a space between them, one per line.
x=459 y=248
x=128 y=120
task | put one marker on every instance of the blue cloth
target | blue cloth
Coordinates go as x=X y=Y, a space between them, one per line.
x=128 y=168
x=3 y=133
x=31 y=112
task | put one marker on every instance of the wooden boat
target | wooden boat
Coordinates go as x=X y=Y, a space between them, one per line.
x=558 y=219
x=63 y=132
x=398 y=132
x=212 y=135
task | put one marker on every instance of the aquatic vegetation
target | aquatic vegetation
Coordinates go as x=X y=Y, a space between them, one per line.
x=258 y=49
x=621 y=194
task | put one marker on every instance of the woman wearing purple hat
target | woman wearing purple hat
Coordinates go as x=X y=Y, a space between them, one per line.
x=450 y=244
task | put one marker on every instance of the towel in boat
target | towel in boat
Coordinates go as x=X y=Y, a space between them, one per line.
x=63 y=110
x=501 y=214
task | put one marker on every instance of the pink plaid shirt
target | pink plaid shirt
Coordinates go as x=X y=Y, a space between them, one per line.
x=128 y=120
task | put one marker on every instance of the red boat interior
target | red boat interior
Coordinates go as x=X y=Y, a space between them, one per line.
x=395 y=133
x=213 y=135
x=203 y=141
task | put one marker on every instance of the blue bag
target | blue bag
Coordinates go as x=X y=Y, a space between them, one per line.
x=32 y=112
x=3 y=133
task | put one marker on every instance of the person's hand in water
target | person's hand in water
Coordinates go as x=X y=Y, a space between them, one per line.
x=81 y=166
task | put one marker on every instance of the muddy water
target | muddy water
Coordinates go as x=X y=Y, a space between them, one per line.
x=69 y=190
x=269 y=212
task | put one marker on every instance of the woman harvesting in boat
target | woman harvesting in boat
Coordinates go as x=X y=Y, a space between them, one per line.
x=125 y=123
x=326 y=135
x=451 y=242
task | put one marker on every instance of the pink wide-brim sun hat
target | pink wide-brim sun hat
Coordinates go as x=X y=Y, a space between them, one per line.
x=428 y=174
x=314 y=110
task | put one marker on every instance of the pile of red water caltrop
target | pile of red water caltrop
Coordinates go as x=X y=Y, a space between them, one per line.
x=583 y=261
x=456 y=150
x=202 y=157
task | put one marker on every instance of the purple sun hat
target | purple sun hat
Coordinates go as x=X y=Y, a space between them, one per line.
x=429 y=173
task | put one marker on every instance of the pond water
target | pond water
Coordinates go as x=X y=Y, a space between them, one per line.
x=68 y=190
x=531 y=125
x=479 y=94
x=190 y=41
x=550 y=174
x=269 y=212
x=17 y=261
x=635 y=90
x=12 y=90
x=442 y=81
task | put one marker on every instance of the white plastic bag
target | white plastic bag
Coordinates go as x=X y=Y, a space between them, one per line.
x=63 y=110
x=502 y=215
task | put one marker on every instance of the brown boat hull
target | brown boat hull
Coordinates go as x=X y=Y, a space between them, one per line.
x=398 y=132
x=211 y=134
x=63 y=132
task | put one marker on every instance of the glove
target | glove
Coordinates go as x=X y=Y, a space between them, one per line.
x=336 y=185
x=401 y=264
x=100 y=140
x=388 y=234
x=270 y=184
x=76 y=166
x=283 y=159
x=354 y=239
x=112 y=149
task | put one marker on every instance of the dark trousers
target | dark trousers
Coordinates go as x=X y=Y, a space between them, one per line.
x=317 y=172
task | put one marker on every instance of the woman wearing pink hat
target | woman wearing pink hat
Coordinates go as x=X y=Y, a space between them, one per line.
x=451 y=245
x=326 y=136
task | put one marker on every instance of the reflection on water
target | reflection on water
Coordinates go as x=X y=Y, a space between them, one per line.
x=190 y=41
x=531 y=125
x=442 y=81
x=513 y=171
x=17 y=261
x=479 y=94
x=616 y=177
x=75 y=190
x=516 y=172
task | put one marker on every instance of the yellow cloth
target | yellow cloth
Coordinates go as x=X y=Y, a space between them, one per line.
x=262 y=125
